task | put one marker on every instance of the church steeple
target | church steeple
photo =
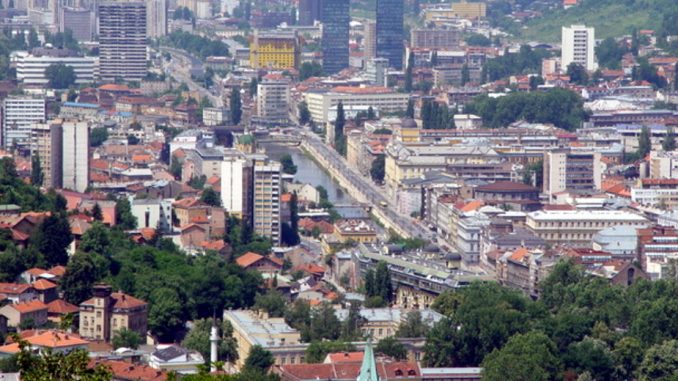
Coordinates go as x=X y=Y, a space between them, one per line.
x=368 y=370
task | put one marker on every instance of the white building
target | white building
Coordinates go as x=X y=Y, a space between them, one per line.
x=173 y=358
x=376 y=71
x=575 y=171
x=46 y=144
x=30 y=69
x=156 y=214
x=266 y=199
x=578 y=43
x=235 y=184
x=380 y=98
x=19 y=113
x=191 y=139
x=75 y=156
x=273 y=97
x=156 y=18
x=122 y=40
x=577 y=227
x=214 y=116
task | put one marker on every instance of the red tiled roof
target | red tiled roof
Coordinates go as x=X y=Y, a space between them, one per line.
x=61 y=307
x=345 y=357
x=33 y=305
x=247 y=259
x=47 y=339
x=14 y=288
x=120 y=300
x=43 y=284
x=58 y=270
x=131 y=372
x=36 y=271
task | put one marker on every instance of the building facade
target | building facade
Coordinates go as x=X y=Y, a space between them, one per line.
x=266 y=191
x=108 y=312
x=578 y=43
x=275 y=50
x=309 y=11
x=19 y=113
x=273 y=96
x=566 y=170
x=236 y=186
x=442 y=39
x=30 y=69
x=122 y=40
x=156 y=18
x=46 y=144
x=75 y=155
x=390 y=32
x=336 y=19
x=79 y=20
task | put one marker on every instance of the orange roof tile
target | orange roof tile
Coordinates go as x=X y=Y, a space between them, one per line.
x=247 y=259
x=14 y=288
x=345 y=357
x=33 y=305
x=471 y=206
x=286 y=197
x=47 y=339
x=58 y=270
x=43 y=284
x=519 y=254
x=125 y=371
x=36 y=271
x=113 y=87
x=61 y=307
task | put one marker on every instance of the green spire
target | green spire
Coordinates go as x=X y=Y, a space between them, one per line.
x=368 y=370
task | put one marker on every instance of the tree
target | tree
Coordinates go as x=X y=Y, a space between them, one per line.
x=166 y=314
x=236 y=106
x=535 y=82
x=660 y=362
x=33 y=41
x=210 y=197
x=254 y=84
x=530 y=356
x=644 y=142
x=123 y=214
x=378 y=169
x=52 y=237
x=60 y=76
x=339 y=138
x=324 y=323
x=198 y=339
x=96 y=240
x=477 y=39
x=310 y=69
x=391 y=347
x=371 y=115
x=318 y=350
x=669 y=143
x=304 y=113
x=577 y=74
x=440 y=348
x=97 y=136
x=627 y=354
x=410 y=109
x=382 y=282
x=288 y=164
x=97 y=214
x=272 y=302
x=413 y=326
x=36 y=170
x=590 y=355
x=79 y=278
x=58 y=366
x=132 y=140
x=259 y=359
x=610 y=53
x=408 y=72
x=465 y=75
x=125 y=338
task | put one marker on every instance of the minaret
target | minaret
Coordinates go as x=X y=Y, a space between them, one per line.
x=214 y=346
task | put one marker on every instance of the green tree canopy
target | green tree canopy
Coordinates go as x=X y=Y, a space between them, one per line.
x=60 y=76
x=259 y=359
x=391 y=347
x=124 y=338
x=530 y=356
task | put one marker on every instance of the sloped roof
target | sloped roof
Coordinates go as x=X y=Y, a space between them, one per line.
x=247 y=259
x=43 y=284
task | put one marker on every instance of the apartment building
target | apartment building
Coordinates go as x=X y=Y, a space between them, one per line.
x=19 y=113
x=275 y=50
x=382 y=99
x=30 y=68
x=75 y=155
x=568 y=170
x=578 y=227
x=236 y=188
x=273 y=97
x=46 y=141
x=578 y=44
x=266 y=191
x=122 y=40
x=108 y=312
x=252 y=328
x=437 y=39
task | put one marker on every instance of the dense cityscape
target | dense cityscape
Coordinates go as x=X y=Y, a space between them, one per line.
x=371 y=190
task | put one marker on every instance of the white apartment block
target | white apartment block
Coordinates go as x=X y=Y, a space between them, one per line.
x=235 y=184
x=156 y=214
x=577 y=227
x=156 y=18
x=273 y=97
x=266 y=199
x=46 y=144
x=578 y=43
x=19 y=113
x=75 y=155
x=380 y=98
x=30 y=69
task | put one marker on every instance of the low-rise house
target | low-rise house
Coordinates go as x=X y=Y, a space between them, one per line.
x=355 y=230
x=264 y=264
x=17 y=292
x=34 y=312
x=108 y=312
x=55 y=341
x=125 y=371
x=58 y=309
x=524 y=269
x=176 y=359
x=45 y=290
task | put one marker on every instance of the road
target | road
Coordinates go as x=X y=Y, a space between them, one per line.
x=180 y=68
x=371 y=192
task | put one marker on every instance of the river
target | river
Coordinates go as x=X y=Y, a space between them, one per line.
x=310 y=173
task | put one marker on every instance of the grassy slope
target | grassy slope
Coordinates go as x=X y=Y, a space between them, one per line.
x=610 y=20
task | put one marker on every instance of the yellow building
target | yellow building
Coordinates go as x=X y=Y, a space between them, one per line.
x=252 y=328
x=108 y=312
x=462 y=9
x=275 y=50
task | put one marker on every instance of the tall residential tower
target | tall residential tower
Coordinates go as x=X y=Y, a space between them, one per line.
x=578 y=43
x=122 y=40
